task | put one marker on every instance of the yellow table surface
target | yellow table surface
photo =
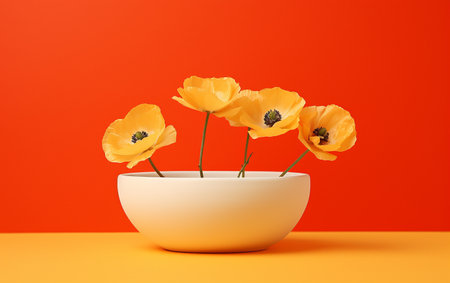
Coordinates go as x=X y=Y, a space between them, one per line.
x=301 y=257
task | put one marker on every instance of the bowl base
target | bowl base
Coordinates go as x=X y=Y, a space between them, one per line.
x=215 y=251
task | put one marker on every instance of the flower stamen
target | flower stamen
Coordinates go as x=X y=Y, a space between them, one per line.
x=271 y=117
x=139 y=135
x=323 y=134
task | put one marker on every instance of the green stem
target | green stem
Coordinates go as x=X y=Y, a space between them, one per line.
x=244 y=165
x=295 y=162
x=203 y=144
x=245 y=153
x=154 y=168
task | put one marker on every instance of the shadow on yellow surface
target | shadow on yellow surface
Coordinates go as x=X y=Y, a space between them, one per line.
x=300 y=244
x=308 y=245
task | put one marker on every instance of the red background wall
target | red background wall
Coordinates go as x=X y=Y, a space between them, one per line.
x=69 y=68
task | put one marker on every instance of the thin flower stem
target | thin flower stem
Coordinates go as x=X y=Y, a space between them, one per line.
x=295 y=162
x=245 y=164
x=203 y=144
x=245 y=153
x=154 y=168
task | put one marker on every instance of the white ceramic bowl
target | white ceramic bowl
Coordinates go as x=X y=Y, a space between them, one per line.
x=218 y=213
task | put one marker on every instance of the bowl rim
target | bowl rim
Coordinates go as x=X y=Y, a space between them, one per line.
x=228 y=175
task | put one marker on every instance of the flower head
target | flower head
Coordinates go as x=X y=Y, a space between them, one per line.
x=207 y=95
x=137 y=136
x=324 y=129
x=269 y=112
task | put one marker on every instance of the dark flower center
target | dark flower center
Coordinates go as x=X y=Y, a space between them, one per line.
x=271 y=117
x=323 y=134
x=139 y=135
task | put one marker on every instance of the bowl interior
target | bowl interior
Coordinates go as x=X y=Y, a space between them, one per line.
x=214 y=174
